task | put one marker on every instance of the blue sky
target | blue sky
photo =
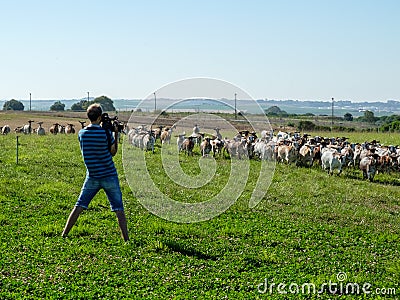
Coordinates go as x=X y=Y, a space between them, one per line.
x=305 y=50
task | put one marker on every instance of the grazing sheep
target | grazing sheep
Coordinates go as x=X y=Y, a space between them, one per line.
x=82 y=124
x=19 y=129
x=5 y=129
x=40 y=130
x=70 y=129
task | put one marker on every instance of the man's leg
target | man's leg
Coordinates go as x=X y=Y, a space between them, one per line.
x=113 y=191
x=122 y=224
x=72 y=219
x=89 y=190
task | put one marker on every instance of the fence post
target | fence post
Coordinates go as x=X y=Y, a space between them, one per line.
x=17 y=148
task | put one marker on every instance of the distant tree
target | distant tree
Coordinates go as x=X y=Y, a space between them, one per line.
x=57 y=106
x=106 y=103
x=348 y=117
x=369 y=116
x=77 y=106
x=81 y=105
x=13 y=105
x=275 y=111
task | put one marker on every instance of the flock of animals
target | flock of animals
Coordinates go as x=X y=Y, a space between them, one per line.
x=332 y=154
x=40 y=130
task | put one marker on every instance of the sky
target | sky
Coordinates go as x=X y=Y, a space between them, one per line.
x=301 y=50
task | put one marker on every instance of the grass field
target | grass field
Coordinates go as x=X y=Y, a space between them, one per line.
x=310 y=228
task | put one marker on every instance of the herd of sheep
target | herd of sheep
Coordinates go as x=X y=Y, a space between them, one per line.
x=302 y=150
x=40 y=130
x=332 y=154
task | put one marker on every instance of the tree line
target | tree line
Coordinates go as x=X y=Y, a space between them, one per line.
x=106 y=103
x=384 y=123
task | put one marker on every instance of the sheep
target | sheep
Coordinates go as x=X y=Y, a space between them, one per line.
x=205 y=147
x=136 y=137
x=61 y=129
x=82 y=124
x=148 y=141
x=196 y=130
x=27 y=129
x=179 y=141
x=143 y=139
x=188 y=145
x=5 y=129
x=216 y=146
x=166 y=134
x=157 y=132
x=70 y=129
x=54 y=129
x=237 y=148
x=218 y=134
x=263 y=149
x=19 y=129
x=40 y=130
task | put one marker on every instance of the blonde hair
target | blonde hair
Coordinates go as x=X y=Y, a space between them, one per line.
x=94 y=111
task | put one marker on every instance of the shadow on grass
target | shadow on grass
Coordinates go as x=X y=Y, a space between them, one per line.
x=188 y=251
x=383 y=181
x=357 y=175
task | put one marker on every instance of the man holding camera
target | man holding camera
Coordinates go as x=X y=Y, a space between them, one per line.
x=98 y=146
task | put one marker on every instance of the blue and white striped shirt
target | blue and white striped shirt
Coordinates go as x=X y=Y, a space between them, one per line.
x=96 y=155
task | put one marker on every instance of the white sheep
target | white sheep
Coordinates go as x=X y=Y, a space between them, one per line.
x=27 y=129
x=5 y=129
x=40 y=130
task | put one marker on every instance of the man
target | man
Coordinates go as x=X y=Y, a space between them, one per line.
x=98 y=147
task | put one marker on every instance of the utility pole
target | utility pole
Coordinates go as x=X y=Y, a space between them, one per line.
x=30 y=101
x=332 y=114
x=155 y=102
x=88 y=96
x=235 y=108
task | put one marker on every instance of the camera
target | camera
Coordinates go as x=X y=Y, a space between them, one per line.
x=111 y=123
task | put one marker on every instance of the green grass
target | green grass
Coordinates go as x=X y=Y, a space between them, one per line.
x=308 y=228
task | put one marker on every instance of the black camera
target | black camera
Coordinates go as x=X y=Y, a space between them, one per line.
x=111 y=123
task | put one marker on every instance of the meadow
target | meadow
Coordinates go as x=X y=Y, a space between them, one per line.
x=310 y=228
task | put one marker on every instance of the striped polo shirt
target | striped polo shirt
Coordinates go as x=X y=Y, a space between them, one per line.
x=95 y=152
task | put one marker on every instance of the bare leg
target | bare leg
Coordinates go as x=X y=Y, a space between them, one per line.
x=72 y=219
x=122 y=224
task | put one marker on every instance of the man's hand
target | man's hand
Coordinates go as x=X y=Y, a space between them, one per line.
x=115 y=126
x=114 y=146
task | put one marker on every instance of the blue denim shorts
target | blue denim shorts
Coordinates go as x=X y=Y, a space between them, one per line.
x=111 y=187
